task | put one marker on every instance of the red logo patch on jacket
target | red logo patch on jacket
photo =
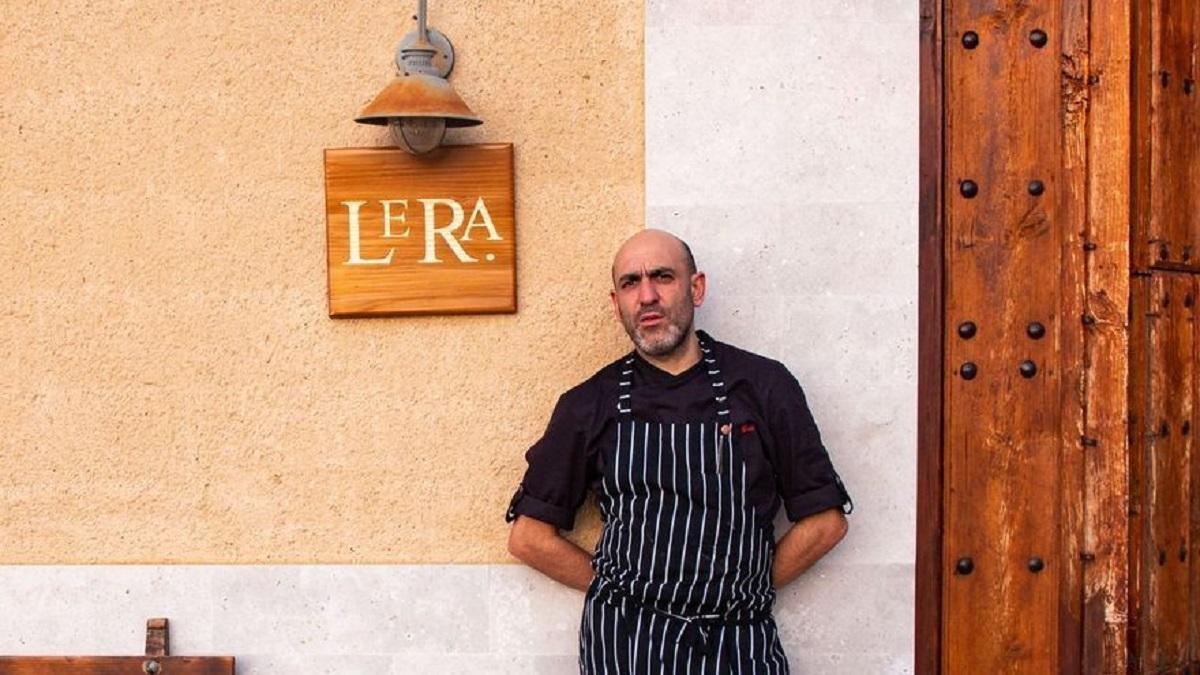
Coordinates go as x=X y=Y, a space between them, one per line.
x=748 y=428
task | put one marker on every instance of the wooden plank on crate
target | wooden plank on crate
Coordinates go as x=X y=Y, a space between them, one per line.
x=1106 y=342
x=429 y=234
x=115 y=665
x=929 y=569
x=1003 y=431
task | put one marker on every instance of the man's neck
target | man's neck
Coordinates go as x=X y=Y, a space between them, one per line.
x=686 y=355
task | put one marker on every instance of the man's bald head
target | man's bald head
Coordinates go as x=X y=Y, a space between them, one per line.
x=656 y=290
x=653 y=244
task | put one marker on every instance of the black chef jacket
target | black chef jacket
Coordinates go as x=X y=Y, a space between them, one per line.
x=776 y=434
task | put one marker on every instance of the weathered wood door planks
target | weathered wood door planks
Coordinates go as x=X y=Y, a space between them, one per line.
x=1005 y=195
x=1169 y=84
x=1165 y=474
x=1026 y=156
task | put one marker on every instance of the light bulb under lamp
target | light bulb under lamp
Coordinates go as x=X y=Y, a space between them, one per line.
x=417 y=135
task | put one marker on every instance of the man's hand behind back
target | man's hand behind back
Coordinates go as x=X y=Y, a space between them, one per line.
x=540 y=546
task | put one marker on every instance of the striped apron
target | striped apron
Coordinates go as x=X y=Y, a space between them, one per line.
x=683 y=564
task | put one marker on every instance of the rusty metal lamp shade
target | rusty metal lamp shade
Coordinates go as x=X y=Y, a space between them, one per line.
x=418 y=95
x=419 y=104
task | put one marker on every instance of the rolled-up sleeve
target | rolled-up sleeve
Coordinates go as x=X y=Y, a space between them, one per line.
x=556 y=480
x=805 y=475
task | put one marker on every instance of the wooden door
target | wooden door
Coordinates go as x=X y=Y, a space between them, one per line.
x=1166 y=383
x=1008 y=349
x=1164 y=594
x=1025 y=223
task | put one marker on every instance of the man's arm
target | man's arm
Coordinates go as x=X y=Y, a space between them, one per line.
x=540 y=546
x=805 y=543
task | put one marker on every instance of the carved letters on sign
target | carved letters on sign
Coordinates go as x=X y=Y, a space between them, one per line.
x=395 y=212
x=433 y=234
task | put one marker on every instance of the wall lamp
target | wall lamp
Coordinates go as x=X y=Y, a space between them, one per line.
x=419 y=104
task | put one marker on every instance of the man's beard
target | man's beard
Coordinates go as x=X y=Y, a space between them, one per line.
x=670 y=333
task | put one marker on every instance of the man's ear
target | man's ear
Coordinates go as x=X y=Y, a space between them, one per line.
x=612 y=296
x=699 y=286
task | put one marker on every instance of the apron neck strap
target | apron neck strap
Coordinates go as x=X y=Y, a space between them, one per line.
x=624 y=387
x=711 y=368
x=709 y=356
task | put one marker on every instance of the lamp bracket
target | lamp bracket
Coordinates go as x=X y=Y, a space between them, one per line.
x=443 y=61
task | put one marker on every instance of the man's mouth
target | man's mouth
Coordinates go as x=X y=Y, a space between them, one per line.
x=650 y=319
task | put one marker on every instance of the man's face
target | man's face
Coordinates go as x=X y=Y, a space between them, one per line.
x=654 y=295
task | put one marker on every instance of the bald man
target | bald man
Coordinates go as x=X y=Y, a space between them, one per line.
x=690 y=446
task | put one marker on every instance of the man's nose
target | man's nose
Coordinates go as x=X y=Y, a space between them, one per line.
x=647 y=294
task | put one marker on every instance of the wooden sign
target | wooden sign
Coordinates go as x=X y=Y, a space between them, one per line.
x=429 y=234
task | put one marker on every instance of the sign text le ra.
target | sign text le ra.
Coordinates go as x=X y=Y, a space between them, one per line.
x=395 y=226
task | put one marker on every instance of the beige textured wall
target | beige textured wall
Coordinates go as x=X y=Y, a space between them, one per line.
x=171 y=388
